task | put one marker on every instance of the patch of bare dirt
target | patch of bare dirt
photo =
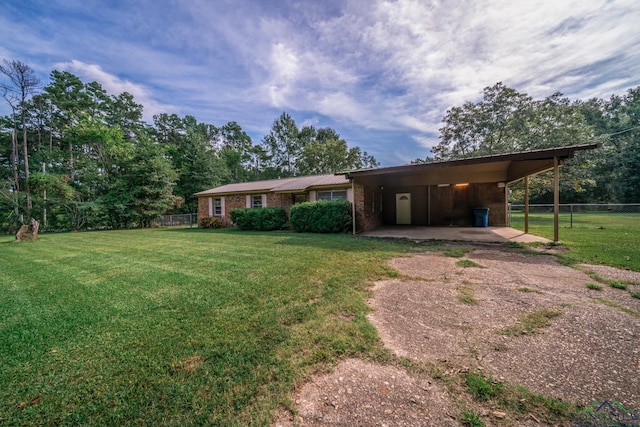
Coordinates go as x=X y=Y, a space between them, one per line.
x=189 y=364
x=358 y=393
x=591 y=351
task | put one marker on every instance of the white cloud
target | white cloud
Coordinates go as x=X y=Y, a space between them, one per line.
x=115 y=86
x=342 y=106
x=283 y=67
x=424 y=141
x=369 y=68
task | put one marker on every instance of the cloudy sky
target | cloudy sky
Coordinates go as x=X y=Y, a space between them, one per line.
x=381 y=73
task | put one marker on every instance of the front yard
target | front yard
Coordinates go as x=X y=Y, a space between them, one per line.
x=191 y=327
x=176 y=326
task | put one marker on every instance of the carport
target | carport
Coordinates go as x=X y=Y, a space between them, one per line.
x=445 y=193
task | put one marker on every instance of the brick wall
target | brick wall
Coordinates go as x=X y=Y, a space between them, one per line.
x=280 y=200
x=449 y=206
x=230 y=202
x=203 y=208
x=367 y=203
x=240 y=202
x=454 y=206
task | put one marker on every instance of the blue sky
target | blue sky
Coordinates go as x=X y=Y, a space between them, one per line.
x=381 y=73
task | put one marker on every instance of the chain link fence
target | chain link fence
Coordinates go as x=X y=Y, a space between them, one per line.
x=182 y=220
x=573 y=213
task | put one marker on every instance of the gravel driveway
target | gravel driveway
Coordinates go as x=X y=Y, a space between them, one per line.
x=589 y=351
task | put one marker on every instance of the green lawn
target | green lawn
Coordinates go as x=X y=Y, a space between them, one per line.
x=594 y=237
x=177 y=326
x=187 y=326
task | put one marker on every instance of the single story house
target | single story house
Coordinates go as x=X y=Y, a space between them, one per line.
x=283 y=193
x=443 y=193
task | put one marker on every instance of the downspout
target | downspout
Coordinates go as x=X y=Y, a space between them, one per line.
x=428 y=205
x=526 y=204
x=556 y=198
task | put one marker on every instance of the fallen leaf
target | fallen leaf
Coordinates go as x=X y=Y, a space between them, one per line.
x=498 y=414
x=35 y=400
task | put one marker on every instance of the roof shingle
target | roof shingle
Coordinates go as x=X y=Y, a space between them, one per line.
x=278 y=185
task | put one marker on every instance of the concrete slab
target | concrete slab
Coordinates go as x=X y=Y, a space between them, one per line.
x=472 y=234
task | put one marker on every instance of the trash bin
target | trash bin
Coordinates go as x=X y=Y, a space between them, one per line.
x=481 y=217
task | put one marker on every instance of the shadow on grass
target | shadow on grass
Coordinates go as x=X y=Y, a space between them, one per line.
x=338 y=241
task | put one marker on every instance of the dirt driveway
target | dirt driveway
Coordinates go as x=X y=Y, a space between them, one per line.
x=473 y=317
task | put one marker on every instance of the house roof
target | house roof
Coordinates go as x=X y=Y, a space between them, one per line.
x=494 y=168
x=284 y=185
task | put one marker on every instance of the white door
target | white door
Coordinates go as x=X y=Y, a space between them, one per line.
x=403 y=208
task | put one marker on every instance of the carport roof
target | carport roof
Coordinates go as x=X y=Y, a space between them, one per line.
x=494 y=168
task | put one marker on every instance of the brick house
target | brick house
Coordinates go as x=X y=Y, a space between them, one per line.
x=283 y=193
x=441 y=193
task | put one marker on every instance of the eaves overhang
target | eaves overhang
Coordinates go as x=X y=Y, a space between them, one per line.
x=492 y=168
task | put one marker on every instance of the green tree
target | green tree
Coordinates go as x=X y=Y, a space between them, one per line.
x=328 y=153
x=615 y=169
x=192 y=148
x=69 y=103
x=493 y=125
x=22 y=84
x=197 y=162
x=168 y=129
x=126 y=114
x=236 y=149
x=101 y=153
x=282 y=147
x=289 y=151
x=506 y=121
x=144 y=190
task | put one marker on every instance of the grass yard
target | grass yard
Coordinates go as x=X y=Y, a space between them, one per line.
x=177 y=326
x=596 y=237
x=190 y=327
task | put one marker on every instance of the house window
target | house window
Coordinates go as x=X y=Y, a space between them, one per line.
x=217 y=206
x=256 y=201
x=299 y=198
x=332 y=195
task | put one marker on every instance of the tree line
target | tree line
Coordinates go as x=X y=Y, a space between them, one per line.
x=506 y=121
x=74 y=157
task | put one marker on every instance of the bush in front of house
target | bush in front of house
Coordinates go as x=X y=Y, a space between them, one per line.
x=213 y=222
x=321 y=217
x=264 y=219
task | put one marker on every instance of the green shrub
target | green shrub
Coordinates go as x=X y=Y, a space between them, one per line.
x=481 y=387
x=264 y=219
x=617 y=285
x=213 y=222
x=322 y=217
x=472 y=418
x=467 y=263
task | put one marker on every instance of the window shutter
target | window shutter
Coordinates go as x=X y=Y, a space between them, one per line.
x=210 y=207
x=222 y=206
x=312 y=196
x=264 y=200
x=248 y=201
x=350 y=195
